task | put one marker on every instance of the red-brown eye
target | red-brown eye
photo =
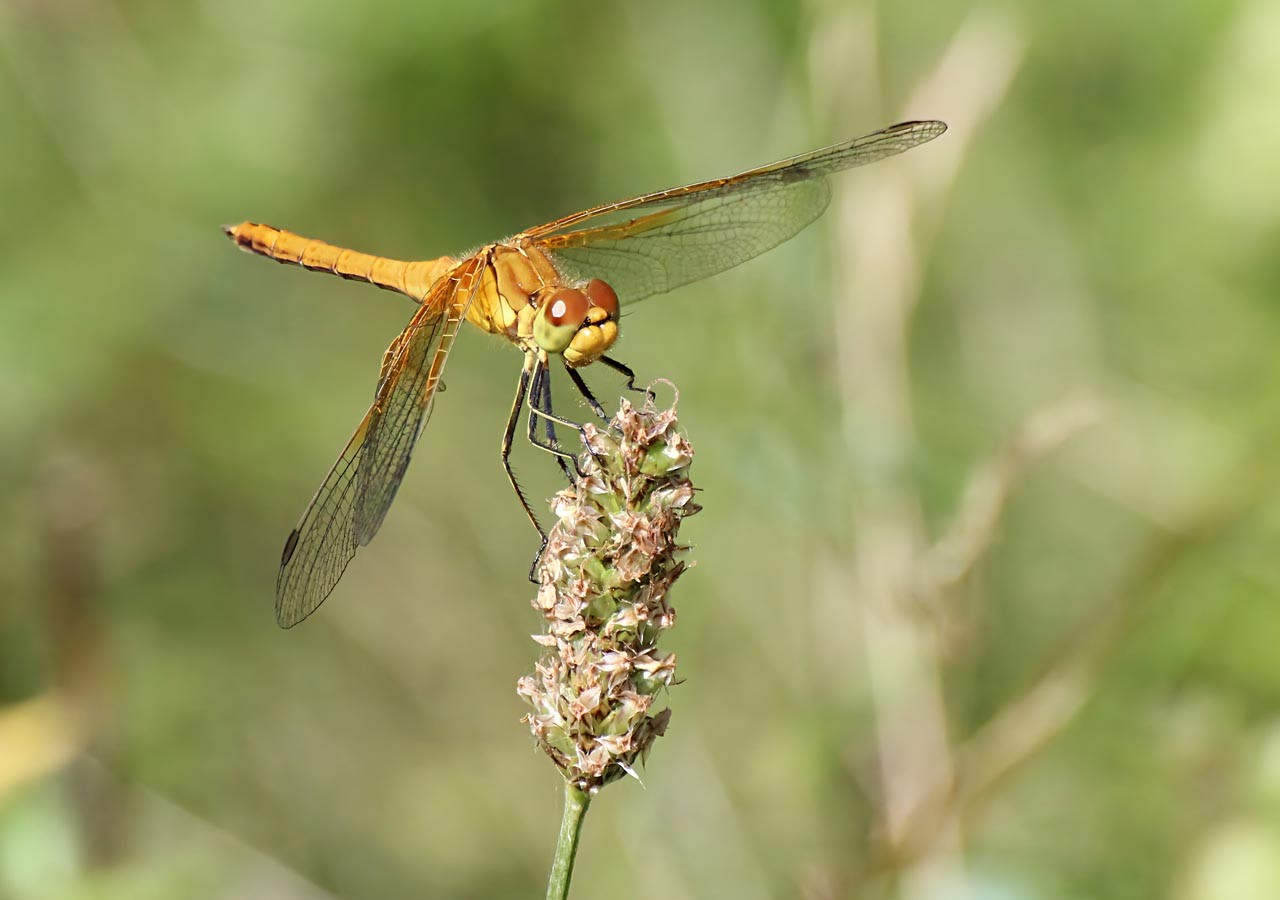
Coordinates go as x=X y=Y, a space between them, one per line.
x=567 y=307
x=603 y=296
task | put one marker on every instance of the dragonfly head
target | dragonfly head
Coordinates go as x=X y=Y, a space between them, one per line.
x=579 y=324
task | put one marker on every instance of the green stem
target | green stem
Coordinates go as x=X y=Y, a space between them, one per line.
x=575 y=809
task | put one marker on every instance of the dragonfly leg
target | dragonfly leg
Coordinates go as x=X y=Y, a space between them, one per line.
x=629 y=374
x=536 y=409
x=585 y=392
x=545 y=403
x=535 y=387
x=508 y=437
x=559 y=420
x=540 y=398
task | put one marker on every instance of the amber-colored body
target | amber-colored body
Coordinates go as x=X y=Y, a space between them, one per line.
x=525 y=289
x=513 y=275
x=414 y=279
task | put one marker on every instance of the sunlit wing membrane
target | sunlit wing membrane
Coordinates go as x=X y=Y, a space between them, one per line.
x=675 y=247
x=353 y=500
x=407 y=393
x=660 y=241
x=323 y=543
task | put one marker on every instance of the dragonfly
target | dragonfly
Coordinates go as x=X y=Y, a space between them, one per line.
x=555 y=291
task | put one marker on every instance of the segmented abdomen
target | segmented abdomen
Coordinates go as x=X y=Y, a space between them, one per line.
x=411 y=278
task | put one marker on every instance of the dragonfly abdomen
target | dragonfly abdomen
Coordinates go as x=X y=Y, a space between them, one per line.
x=411 y=278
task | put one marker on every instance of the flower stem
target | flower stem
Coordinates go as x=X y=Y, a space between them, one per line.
x=575 y=809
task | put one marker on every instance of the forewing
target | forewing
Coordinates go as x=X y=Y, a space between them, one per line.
x=683 y=245
x=657 y=242
x=406 y=393
x=363 y=480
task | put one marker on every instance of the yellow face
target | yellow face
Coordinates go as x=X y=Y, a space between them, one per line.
x=579 y=324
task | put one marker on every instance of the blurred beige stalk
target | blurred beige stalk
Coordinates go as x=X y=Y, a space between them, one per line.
x=50 y=733
x=953 y=557
x=878 y=285
x=899 y=582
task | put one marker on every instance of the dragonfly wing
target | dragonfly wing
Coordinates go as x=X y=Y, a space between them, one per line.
x=691 y=242
x=323 y=542
x=660 y=241
x=406 y=393
x=332 y=527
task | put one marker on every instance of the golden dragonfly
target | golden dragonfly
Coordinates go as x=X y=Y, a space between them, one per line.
x=555 y=290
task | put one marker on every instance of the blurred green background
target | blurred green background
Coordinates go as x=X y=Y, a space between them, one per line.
x=985 y=603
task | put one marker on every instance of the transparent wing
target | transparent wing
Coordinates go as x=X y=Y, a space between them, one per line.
x=353 y=500
x=323 y=542
x=657 y=242
x=407 y=391
x=683 y=245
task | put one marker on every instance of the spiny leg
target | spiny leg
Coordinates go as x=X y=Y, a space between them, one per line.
x=547 y=414
x=629 y=374
x=541 y=399
x=535 y=409
x=508 y=437
x=545 y=403
x=536 y=388
x=585 y=392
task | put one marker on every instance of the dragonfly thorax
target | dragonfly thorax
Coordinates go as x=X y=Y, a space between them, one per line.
x=524 y=298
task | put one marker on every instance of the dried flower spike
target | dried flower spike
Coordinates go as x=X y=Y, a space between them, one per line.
x=610 y=559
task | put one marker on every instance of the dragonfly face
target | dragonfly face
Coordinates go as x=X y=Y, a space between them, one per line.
x=580 y=325
x=518 y=289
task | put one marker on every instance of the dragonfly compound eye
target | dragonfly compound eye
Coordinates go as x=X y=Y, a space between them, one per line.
x=558 y=318
x=602 y=296
x=567 y=307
